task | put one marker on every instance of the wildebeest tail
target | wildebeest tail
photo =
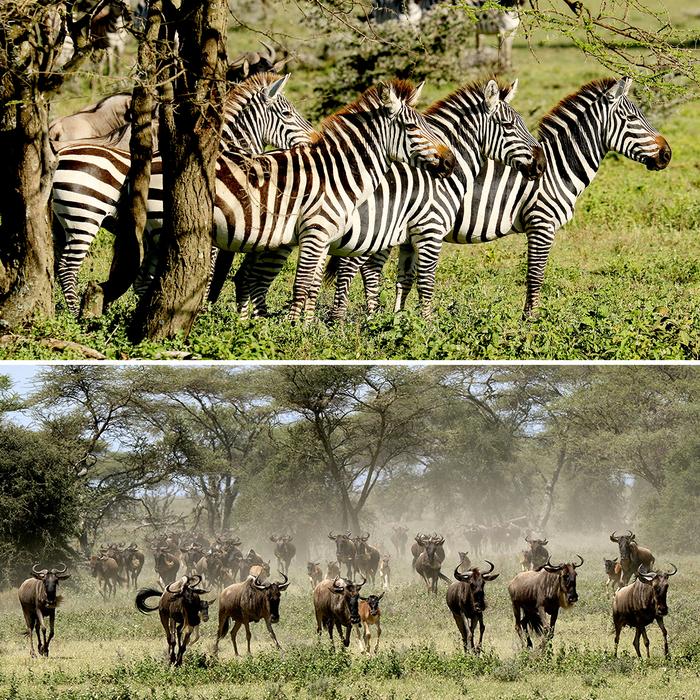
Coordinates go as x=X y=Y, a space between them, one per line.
x=224 y=630
x=141 y=597
x=533 y=620
x=444 y=578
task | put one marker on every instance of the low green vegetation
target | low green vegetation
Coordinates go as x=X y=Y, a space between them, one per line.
x=110 y=651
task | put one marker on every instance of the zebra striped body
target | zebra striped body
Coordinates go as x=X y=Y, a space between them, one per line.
x=89 y=177
x=306 y=196
x=478 y=124
x=575 y=137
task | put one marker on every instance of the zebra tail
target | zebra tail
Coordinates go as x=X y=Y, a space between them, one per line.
x=331 y=271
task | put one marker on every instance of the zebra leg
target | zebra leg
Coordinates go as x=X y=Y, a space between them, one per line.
x=505 y=49
x=72 y=257
x=254 y=278
x=221 y=265
x=539 y=243
x=371 y=273
x=347 y=268
x=313 y=249
x=427 y=254
x=314 y=289
x=405 y=275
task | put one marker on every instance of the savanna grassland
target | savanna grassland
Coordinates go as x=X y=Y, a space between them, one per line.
x=622 y=281
x=110 y=651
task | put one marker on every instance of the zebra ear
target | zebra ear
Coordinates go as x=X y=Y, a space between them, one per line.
x=390 y=99
x=416 y=94
x=511 y=92
x=274 y=90
x=619 y=90
x=491 y=96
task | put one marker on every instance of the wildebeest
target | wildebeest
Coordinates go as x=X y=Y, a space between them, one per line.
x=252 y=558
x=464 y=562
x=249 y=601
x=252 y=62
x=535 y=594
x=640 y=603
x=632 y=555
x=313 y=569
x=336 y=604
x=538 y=552
x=370 y=614
x=475 y=536
x=399 y=538
x=344 y=551
x=99 y=119
x=333 y=570
x=430 y=561
x=385 y=571
x=191 y=557
x=166 y=565
x=467 y=601
x=133 y=563
x=417 y=548
x=106 y=570
x=284 y=551
x=366 y=558
x=38 y=598
x=260 y=570
x=613 y=572
x=181 y=611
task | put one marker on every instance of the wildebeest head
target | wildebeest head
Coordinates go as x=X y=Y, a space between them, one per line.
x=311 y=567
x=50 y=579
x=567 y=580
x=373 y=603
x=189 y=595
x=610 y=565
x=624 y=542
x=431 y=546
x=476 y=581
x=272 y=591
x=344 y=546
x=351 y=592
x=534 y=544
x=332 y=569
x=658 y=580
x=204 y=609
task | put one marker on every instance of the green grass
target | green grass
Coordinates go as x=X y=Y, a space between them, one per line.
x=111 y=651
x=622 y=281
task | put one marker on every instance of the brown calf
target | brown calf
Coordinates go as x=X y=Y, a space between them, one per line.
x=370 y=614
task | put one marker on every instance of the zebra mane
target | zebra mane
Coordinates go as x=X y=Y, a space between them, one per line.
x=578 y=101
x=367 y=101
x=241 y=93
x=473 y=89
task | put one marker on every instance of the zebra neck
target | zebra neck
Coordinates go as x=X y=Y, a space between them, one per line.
x=236 y=134
x=574 y=152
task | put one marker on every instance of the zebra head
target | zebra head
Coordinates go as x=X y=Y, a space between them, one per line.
x=628 y=132
x=409 y=137
x=505 y=138
x=259 y=115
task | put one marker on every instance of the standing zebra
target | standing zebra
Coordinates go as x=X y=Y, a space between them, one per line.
x=306 y=196
x=575 y=136
x=503 y=23
x=477 y=122
x=89 y=178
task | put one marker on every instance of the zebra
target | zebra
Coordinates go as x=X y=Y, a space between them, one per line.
x=575 y=135
x=306 y=196
x=478 y=123
x=89 y=177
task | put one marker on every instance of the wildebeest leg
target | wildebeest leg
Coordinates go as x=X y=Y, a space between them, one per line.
x=272 y=633
x=329 y=625
x=234 y=632
x=41 y=632
x=30 y=621
x=635 y=642
x=518 y=623
x=346 y=638
x=618 y=629
x=363 y=637
x=646 y=640
x=461 y=626
x=248 y=635
x=52 y=620
x=183 y=642
x=379 y=634
x=662 y=627
x=481 y=632
x=552 y=622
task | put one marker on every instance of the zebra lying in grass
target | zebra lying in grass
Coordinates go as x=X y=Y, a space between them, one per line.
x=575 y=135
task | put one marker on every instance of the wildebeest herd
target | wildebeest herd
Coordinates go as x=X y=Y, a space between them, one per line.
x=188 y=568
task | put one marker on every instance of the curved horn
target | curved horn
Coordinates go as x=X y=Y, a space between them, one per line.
x=285 y=584
x=36 y=571
x=491 y=565
x=359 y=585
x=612 y=536
x=645 y=575
x=461 y=577
x=577 y=565
x=271 y=53
x=631 y=534
x=194 y=580
x=167 y=588
x=260 y=586
x=675 y=570
x=381 y=596
x=61 y=571
x=527 y=539
x=544 y=542
x=335 y=587
x=331 y=536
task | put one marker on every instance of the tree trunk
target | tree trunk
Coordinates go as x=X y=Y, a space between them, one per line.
x=26 y=239
x=192 y=133
x=549 y=488
x=133 y=202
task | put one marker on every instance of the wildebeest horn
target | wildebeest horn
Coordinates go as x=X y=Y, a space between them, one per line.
x=645 y=575
x=543 y=542
x=194 y=580
x=61 y=571
x=631 y=534
x=381 y=596
x=331 y=536
x=39 y=573
x=552 y=568
x=491 y=565
x=675 y=570
x=527 y=539
x=285 y=584
x=335 y=587
x=461 y=577
x=577 y=565
x=359 y=585
x=201 y=591
x=271 y=53
x=612 y=536
x=260 y=586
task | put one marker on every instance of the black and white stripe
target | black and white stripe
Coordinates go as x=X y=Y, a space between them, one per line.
x=89 y=177
x=575 y=137
x=306 y=196
x=409 y=204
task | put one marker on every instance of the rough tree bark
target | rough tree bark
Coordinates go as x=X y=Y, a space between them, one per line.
x=133 y=203
x=190 y=129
